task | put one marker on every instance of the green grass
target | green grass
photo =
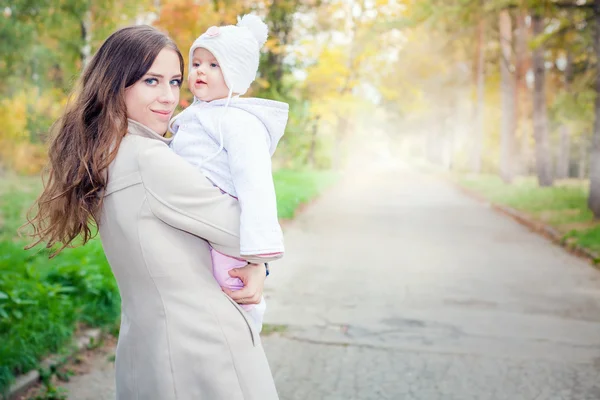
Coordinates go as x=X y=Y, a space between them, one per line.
x=43 y=301
x=563 y=206
x=297 y=187
x=269 y=329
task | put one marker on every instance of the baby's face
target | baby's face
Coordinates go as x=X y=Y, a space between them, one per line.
x=206 y=80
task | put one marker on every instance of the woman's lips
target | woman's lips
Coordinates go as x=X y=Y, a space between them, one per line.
x=163 y=114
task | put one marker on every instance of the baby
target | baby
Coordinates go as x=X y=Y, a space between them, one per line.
x=231 y=139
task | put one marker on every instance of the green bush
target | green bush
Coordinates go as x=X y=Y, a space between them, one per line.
x=42 y=301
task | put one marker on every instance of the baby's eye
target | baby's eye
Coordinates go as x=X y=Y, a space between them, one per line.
x=151 y=81
x=195 y=65
x=214 y=65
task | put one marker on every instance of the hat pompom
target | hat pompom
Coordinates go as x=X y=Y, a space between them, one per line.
x=259 y=29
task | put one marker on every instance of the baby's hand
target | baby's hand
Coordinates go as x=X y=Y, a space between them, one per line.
x=253 y=277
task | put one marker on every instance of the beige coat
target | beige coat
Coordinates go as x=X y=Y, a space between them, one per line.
x=181 y=337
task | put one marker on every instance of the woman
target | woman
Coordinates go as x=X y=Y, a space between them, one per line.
x=181 y=337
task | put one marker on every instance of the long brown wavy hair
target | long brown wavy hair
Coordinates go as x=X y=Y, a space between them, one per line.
x=85 y=140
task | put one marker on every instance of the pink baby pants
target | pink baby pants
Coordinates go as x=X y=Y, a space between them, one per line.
x=221 y=266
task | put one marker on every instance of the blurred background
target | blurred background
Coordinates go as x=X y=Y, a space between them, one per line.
x=329 y=60
x=505 y=87
x=500 y=96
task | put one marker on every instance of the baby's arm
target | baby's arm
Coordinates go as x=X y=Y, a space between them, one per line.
x=247 y=145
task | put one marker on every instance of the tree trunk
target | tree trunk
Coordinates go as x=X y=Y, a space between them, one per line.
x=342 y=132
x=594 y=199
x=432 y=145
x=281 y=22
x=86 y=35
x=507 y=137
x=540 y=122
x=454 y=127
x=564 y=151
x=521 y=61
x=313 y=144
x=445 y=140
x=479 y=105
x=522 y=99
x=583 y=151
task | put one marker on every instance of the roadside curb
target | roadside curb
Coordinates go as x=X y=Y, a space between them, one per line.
x=536 y=226
x=25 y=382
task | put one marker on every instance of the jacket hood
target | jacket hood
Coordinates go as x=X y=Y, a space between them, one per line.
x=273 y=114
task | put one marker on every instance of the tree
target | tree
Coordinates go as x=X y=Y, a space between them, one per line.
x=464 y=25
x=508 y=123
x=564 y=154
x=336 y=67
x=540 y=119
x=478 y=117
x=594 y=197
x=280 y=19
x=522 y=93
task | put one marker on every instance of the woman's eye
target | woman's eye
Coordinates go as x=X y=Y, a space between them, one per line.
x=151 y=81
x=176 y=82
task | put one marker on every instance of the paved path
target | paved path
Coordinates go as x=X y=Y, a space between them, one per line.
x=400 y=287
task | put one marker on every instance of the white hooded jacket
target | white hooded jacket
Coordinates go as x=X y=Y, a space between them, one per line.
x=251 y=129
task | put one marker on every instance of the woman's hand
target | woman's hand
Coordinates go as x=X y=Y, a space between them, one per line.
x=253 y=277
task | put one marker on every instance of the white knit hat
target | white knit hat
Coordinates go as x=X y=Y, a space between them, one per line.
x=237 y=50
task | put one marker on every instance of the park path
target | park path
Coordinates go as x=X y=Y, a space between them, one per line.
x=395 y=285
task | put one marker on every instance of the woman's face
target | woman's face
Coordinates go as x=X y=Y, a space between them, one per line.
x=151 y=101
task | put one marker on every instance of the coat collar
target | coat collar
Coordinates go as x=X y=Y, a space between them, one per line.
x=135 y=128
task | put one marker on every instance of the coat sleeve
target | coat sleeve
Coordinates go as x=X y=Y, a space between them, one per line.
x=179 y=195
x=247 y=143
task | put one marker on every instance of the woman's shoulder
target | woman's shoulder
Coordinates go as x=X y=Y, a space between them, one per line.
x=134 y=147
x=151 y=152
x=152 y=163
x=158 y=163
x=126 y=165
